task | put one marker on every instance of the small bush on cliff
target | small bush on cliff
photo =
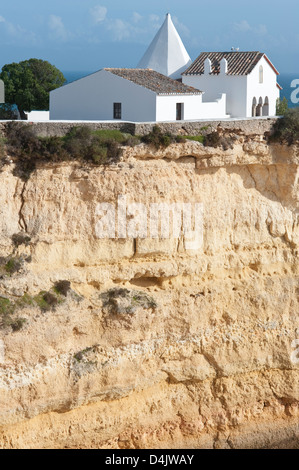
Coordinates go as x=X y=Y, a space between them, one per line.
x=7 y=316
x=197 y=138
x=125 y=301
x=13 y=265
x=62 y=287
x=19 y=239
x=281 y=106
x=286 y=129
x=158 y=139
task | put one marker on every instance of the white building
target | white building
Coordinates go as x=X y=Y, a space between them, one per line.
x=138 y=95
x=248 y=79
x=166 y=54
x=165 y=86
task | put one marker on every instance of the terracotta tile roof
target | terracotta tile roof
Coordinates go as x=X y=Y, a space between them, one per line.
x=155 y=81
x=239 y=63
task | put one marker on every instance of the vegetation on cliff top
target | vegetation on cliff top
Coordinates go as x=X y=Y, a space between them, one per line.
x=286 y=129
x=81 y=143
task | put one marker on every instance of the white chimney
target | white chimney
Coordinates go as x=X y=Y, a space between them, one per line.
x=208 y=66
x=223 y=66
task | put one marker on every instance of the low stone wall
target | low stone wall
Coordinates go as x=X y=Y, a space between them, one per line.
x=246 y=126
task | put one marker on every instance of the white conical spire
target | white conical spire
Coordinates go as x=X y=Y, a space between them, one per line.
x=167 y=53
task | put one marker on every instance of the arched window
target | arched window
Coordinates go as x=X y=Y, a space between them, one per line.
x=261 y=79
x=266 y=107
x=254 y=104
x=259 y=108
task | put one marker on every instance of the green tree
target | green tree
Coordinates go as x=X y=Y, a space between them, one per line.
x=28 y=84
x=281 y=106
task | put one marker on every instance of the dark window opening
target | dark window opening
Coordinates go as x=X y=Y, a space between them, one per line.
x=116 y=110
x=179 y=111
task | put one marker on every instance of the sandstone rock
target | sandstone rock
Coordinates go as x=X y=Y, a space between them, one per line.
x=212 y=365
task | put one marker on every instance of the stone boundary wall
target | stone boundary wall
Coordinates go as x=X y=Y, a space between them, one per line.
x=254 y=126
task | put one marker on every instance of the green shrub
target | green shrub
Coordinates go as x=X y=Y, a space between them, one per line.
x=6 y=306
x=125 y=301
x=13 y=265
x=7 y=318
x=132 y=140
x=286 y=129
x=180 y=139
x=45 y=301
x=20 y=239
x=157 y=138
x=197 y=138
x=212 y=140
x=105 y=135
x=17 y=324
x=80 y=143
x=281 y=106
x=62 y=287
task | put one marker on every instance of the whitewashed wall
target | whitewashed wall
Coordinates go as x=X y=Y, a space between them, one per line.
x=214 y=109
x=2 y=93
x=166 y=107
x=213 y=85
x=194 y=108
x=92 y=98
x=261 y=90
x=240 y=90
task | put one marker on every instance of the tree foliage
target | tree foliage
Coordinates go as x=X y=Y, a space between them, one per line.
x=28 y=84
x=281 y=106
x=286 y=129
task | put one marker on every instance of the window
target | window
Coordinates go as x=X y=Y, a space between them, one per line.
x=266 y=107
x=179 y=111
x=254 y=105
x=261 y=74
x=116 y=110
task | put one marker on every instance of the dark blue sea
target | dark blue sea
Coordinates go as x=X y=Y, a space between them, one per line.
x=285 y=80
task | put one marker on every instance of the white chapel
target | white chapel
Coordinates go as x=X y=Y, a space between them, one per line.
x=168 y=86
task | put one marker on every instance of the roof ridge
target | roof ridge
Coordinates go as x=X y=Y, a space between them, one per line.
x=239 y=62
x=154 y=81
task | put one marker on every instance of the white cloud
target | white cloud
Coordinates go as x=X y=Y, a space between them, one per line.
x=120 y=29
x=14 y=33
x=261 y=30
x=154 y=18
x=98 y=13
x=136 y=17
x=242 y=27
x=245 y=27
x=183 y=29
x=155 y=21
x=57 y=28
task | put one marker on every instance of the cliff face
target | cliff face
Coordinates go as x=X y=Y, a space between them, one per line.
x=156 y=345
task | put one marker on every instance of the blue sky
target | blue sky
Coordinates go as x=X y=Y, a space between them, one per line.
x=88 y=35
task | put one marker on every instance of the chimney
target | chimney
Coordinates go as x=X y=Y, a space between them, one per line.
x=207 y=66
x=223 y=66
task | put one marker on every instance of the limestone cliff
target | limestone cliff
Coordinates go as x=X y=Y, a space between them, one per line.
x=155 y=345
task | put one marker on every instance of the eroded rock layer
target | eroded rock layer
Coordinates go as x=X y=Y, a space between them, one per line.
x=155 y=345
